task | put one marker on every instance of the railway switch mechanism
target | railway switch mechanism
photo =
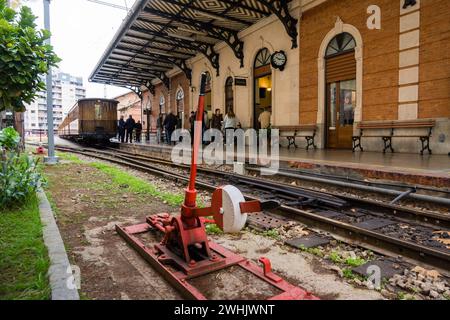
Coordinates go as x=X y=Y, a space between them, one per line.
x=186 y=252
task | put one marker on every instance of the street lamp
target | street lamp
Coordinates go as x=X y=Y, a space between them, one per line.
x=51 y=158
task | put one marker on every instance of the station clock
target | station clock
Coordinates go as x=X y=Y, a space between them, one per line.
x=279 y=60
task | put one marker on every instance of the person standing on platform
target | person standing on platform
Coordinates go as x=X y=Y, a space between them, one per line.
x=264 y=119
x=121 y=129
x=159 y=128
x=192 y=125
x=138 y=128
x=217 y=119
x=129 y=125
x=229 y=123
x=170 y=124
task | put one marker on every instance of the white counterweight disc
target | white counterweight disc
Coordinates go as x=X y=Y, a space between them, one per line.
x=233 y=220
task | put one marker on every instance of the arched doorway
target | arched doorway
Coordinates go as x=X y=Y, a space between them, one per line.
x=262 y=73
x=180 y=107
x=208 y=98
x=229 y=95
x=340 y=75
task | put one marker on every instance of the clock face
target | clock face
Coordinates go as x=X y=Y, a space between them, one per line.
x=279 y=59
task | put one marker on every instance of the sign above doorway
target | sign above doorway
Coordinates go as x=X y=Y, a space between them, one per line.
x=242 y=82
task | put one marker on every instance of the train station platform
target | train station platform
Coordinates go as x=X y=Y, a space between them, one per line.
x=427 y=170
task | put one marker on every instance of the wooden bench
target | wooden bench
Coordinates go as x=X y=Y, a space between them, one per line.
x=293 y=132
x=393 y=127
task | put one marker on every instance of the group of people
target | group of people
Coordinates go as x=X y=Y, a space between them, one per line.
x=167 y=125
x=129 y=128
x=217 y=121
x=171 y=122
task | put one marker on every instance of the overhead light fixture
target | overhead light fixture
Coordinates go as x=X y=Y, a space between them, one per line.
x=201 y=33
x=175 y=35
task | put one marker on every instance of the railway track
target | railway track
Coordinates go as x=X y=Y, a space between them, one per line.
x=384 y=228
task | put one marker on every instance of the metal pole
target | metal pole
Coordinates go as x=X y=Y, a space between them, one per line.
x=50 y=159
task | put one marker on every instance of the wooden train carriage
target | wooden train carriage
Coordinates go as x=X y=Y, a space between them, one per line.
x=91 y=120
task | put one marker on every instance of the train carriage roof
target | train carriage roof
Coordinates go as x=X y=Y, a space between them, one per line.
x=159 y=35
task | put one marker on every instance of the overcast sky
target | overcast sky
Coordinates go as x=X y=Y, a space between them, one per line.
x=81 y=31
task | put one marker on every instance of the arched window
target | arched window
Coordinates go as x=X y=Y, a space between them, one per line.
x=208 y=82
x=262 y=58
x=229 y=96
x=342 y=43
x=162 y=105
x=180 y=100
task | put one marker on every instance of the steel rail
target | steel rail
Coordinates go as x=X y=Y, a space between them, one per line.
x=420 y=197
x=355 y=235
x=429 y=218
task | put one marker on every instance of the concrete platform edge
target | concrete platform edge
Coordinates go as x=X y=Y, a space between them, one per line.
x=60 y=270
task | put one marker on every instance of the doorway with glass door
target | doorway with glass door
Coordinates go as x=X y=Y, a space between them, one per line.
x=341 y=114
x=341 y=91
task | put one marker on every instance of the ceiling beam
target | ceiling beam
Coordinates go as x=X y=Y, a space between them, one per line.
x=229 y=36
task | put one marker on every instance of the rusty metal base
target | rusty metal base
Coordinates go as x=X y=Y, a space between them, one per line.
x=178 y=272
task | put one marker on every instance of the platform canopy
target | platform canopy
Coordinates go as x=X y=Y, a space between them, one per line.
x=158 y=35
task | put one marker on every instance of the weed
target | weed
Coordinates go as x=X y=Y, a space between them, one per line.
x=272 y=233
x=213 y=229
x=348 y=274
x=355 y=262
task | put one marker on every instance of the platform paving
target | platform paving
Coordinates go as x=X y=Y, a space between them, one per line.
x=427 y=170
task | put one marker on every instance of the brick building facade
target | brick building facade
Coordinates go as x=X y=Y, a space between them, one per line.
x=402 y=59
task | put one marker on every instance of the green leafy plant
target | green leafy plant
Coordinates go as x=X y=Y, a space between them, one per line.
x=273 y=233
x=9 y=139
x=19 y=179
x=24 y=58
x=348 y=274
x=213 y=229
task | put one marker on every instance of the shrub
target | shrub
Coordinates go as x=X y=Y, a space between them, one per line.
x=9 y=139
x=19 y=179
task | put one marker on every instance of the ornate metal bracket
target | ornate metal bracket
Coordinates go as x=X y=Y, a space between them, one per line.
x=136 y=90
x=151 y=88
x=213 y=57
x=165 y=79
x=187 y=71
x=408 y=3
x=281 y=9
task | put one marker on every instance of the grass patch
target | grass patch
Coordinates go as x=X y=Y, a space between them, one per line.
x=69 y=157
x=52 y=202
x=138 y=185
x=23 y=256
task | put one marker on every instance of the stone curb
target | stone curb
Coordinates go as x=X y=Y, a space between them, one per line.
x=60 y=271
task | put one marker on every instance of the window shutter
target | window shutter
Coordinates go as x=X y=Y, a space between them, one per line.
x=341 y=68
